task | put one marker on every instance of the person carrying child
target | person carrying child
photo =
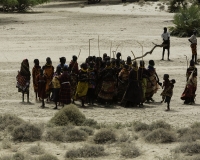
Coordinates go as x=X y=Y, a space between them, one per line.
x=167 y=92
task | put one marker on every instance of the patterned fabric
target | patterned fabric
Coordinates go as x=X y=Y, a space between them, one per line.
x=73 y=67
x=167 y=44
x=92 y=78
x=168 y=89
x=107 y=90
x=35 y=73
x=152 y=85
x=194 y=48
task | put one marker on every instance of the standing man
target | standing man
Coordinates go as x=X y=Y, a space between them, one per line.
x=166 y=42
x=193 y=41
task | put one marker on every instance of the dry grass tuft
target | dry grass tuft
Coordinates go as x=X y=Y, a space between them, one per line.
x=9 y=121
x=6 y=157
x=141 y=2
x=160 y=124
x=161 y=136
x=104 y=135
x=129 y=150
x=88 y=130
x=68 y=114
x=36 y=150
x=139 y=126
x=6 y=144
x=90 y=123
x=188 y=134
x=87 y=151
x=76 y=135
x=190 y=148
x=47 y=157
x=124 y=137
x=26 y=132
x=195 y=125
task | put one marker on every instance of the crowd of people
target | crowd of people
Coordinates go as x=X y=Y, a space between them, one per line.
x=105 y=81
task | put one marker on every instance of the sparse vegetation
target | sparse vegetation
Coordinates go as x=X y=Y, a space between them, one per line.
x=26 y=132
x=18 y=156
x=141 y=2
x=86 y=152
x=6 y=144
x=160 y=136
x=47 y=157
x=188 y=134
x=139 y=126
x=129 y=150
x=76 y=135
x=88 y=130
x=189 y=148
x=9 y=121
x=68 y=114
x=159 y=124
x=36 y=150
x=90 y=122
x=104 y=135
x=176 y=5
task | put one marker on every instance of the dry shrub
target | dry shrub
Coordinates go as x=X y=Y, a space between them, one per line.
x=47 y=157
x=188 y=134
x=36 y=150
x=6 y=144
x=88 y=130
x=139 y=126
x=86 y=151
x=141 y=2
x=90 y=122
x=9 y=121
x=68 y=114
x=162 y=7
x=160 y=124
x=6 y=157
x=189 y=148
x=18 y=156
x=76 y=135
x=195 y=125
x=57 y=133
x=104 y=135
x=160 y=136
x=123 y=137
x=26 y=132
x=129 y=150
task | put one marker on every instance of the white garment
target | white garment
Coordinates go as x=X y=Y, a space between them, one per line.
x=193 y=39
x=165 y=36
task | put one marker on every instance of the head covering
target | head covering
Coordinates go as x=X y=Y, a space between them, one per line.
x=25 y=68
x=166 y=76
x=173 y=81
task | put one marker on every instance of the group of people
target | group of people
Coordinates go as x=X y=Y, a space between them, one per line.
x=104 y=80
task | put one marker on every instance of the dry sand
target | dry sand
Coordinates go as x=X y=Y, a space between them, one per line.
x=62 y=28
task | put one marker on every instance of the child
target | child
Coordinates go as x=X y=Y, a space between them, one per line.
x=42 y=80
x=168 y=90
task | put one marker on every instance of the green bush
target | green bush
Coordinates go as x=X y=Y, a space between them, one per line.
x=47 y=157
x=26 y=132
x=130 y=151
x=185 y=21
x=9 y=121
x=86 y=151
x=19 y=5
x=104 y=135
x=160 y=136
x=176 y=5
x=68 y=114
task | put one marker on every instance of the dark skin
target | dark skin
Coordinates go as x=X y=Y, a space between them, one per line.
x=194 y=57
x=43 y=104
x=58 y=71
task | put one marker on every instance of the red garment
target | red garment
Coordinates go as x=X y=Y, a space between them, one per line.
x=73 y=67
x=42 y=80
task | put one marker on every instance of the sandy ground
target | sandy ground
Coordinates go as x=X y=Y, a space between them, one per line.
x=63 y=28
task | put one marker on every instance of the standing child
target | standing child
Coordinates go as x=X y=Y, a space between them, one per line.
x=42 y=80
x=168 y=90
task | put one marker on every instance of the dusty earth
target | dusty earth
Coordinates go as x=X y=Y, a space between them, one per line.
x=63 y=28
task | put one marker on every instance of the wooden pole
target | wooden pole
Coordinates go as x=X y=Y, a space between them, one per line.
x=89 y=45
x=98 y=46
x=110 y=48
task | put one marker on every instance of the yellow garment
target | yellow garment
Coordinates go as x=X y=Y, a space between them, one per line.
x=56 y=82
x=81 y=90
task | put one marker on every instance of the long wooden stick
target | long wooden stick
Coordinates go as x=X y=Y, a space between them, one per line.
x=110 y=48
x=150 y=52
x=89 y=45
x=98 y=46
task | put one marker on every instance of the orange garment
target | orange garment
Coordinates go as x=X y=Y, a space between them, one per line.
x=48 y=72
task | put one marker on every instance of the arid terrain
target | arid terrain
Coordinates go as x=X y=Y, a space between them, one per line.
x=59 y=29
